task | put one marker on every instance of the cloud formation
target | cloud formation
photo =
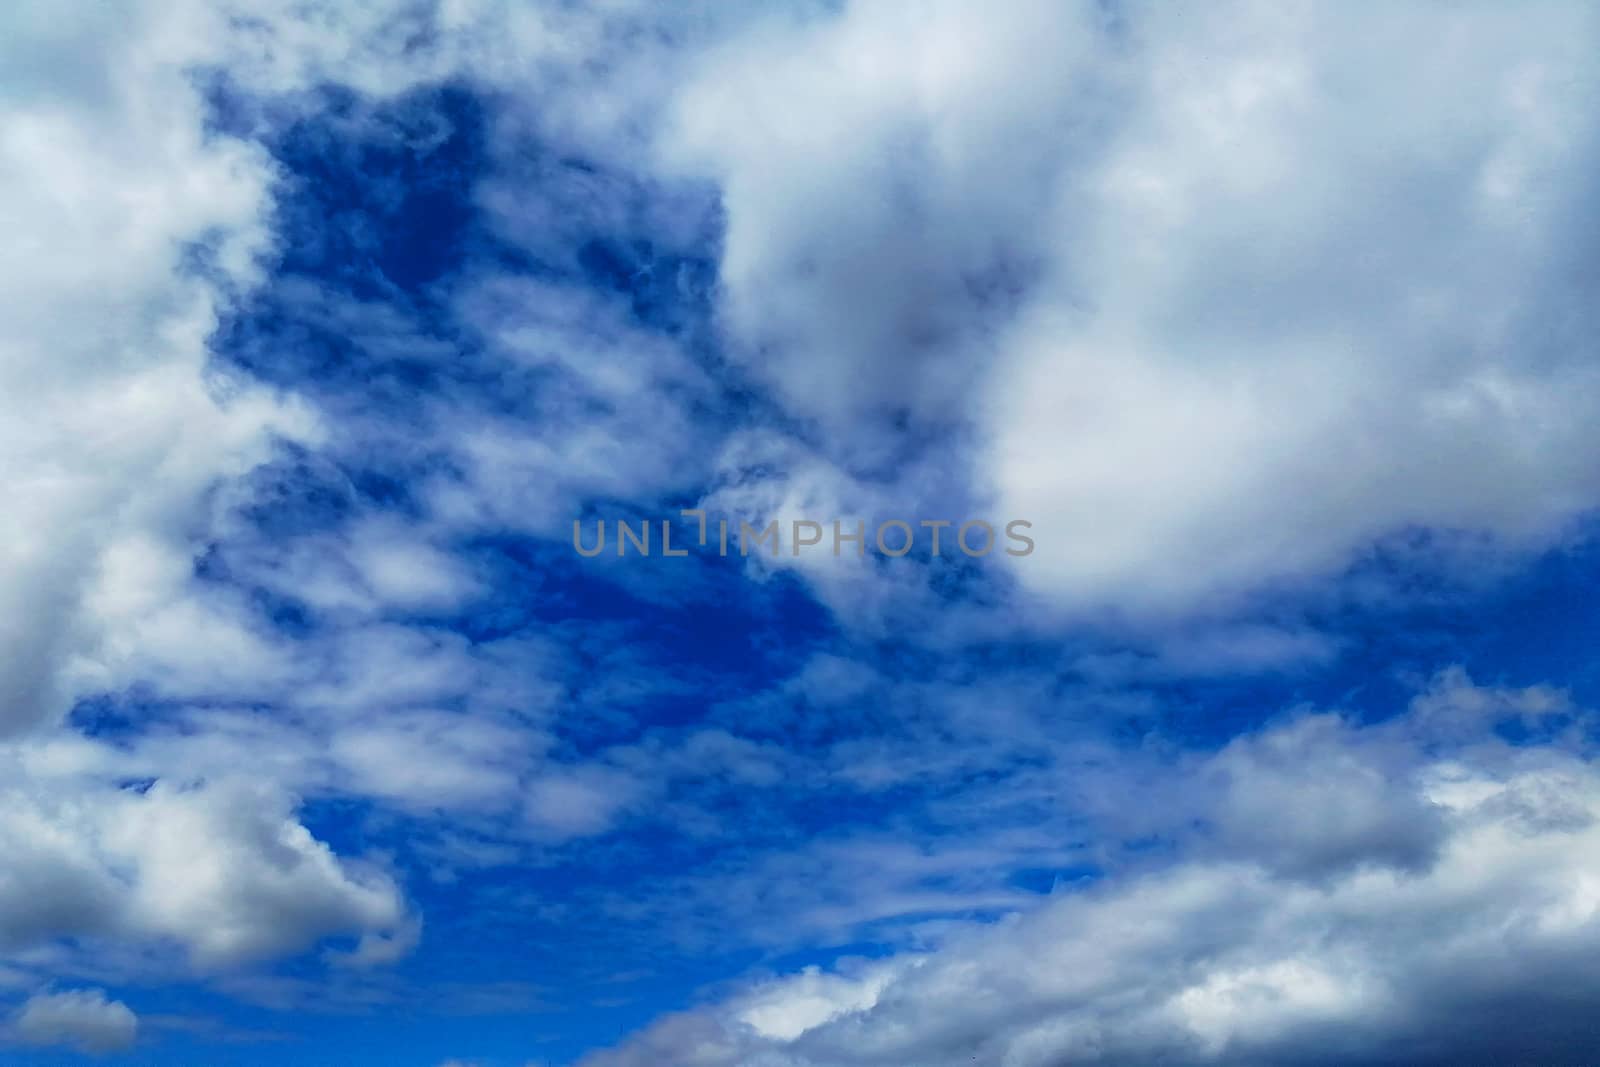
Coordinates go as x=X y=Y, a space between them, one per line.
x=222 y=869
x=1224 y=297
x=327 y=319
x=80 y=1018
x=131 y=226
x=1347 y=894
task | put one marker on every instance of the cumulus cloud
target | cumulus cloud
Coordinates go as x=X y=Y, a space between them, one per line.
x=1227 y=296
x=130 y=227
x=80 y=1018
x=140 y=223
x=882 y=172
x=1291 y=320
x=135 y=228
x=1219 y=299
x=222 y=869
x=1349 y=894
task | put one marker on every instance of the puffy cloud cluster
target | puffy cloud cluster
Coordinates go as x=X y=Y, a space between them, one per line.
x=1223 y=297
x=134 y=226
x=80 y=1018
x=129 y=226
x=1344 y=893
x=222 y=870
x=1217 y=298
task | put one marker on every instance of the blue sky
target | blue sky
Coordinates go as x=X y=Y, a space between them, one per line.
x=321 y=744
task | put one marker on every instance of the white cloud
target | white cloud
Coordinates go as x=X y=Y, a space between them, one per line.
x=882 y=172
x=1289 y=318
x=580 y=801
x=1226 y=295
x=1216 y=299
x=223 y=869
x=419 y=758
x=613 y=418
x=1304 y=921
x=128 y=224
x=80 y=1018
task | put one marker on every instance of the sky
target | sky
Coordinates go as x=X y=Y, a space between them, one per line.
x=1241 y=358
